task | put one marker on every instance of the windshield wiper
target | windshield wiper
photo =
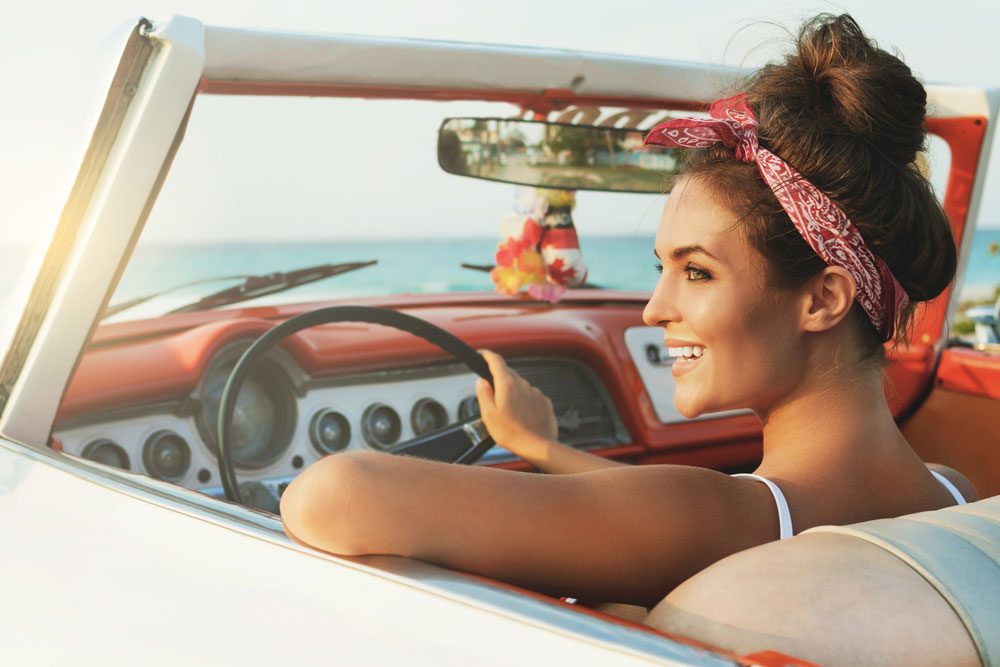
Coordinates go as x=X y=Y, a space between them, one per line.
x=271 y=283
x=251 y=288
x=116 y=308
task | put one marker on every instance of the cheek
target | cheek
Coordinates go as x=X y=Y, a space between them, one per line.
x=746 y=341
x=719 y=317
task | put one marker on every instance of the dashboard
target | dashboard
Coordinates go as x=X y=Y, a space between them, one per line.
x=145 y=396
x=286 y=419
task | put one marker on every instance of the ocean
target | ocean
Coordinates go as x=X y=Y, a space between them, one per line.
x=404 y=266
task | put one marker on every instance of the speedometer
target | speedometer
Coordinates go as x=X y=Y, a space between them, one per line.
x=264 y=416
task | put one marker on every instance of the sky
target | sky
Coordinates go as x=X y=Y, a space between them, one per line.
x=50 y=61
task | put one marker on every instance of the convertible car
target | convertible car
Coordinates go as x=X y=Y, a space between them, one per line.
x=147 y=434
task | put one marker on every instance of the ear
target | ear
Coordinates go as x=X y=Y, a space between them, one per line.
x=828 y=299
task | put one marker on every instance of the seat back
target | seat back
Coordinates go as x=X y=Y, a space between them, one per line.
x=957 y=550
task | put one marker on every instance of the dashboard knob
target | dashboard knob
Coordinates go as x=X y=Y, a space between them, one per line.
x=166 y=456
x=468 y=408
x=380 y=426
x=108 y=452
x=329 y=431
x=428 y=415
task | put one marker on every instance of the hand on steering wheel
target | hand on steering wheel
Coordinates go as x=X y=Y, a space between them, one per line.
x=518 y=415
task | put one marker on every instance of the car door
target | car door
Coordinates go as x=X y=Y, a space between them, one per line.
x=948 y=384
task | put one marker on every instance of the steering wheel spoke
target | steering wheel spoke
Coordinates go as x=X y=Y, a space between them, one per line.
x=459 y=443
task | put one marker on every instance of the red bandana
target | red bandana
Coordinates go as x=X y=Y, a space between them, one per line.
x=821 y=223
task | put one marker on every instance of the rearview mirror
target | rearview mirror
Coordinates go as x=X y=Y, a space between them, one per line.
x=555 y=155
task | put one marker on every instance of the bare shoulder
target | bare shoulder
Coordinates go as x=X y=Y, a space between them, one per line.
x=960 y=481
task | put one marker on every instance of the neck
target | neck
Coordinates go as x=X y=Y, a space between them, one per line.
x=829 y=419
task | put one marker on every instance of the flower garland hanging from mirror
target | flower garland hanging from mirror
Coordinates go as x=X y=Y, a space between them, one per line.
x=540 y=250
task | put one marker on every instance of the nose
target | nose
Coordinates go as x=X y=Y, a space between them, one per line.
x=661 y=307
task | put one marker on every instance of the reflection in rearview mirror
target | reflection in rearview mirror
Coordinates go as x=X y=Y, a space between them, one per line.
x=555 y=155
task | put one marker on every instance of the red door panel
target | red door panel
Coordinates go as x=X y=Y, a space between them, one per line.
x=959 y=424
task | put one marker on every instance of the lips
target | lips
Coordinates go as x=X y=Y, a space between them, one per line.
x=684 y=365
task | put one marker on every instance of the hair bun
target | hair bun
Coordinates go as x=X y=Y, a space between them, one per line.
x=841 y=79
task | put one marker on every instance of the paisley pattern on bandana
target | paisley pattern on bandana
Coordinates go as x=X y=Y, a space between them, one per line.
x=823 y=225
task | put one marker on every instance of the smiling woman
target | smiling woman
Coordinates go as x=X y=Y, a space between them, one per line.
x=777 y=289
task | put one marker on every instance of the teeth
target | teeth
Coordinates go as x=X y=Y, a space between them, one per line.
x=688 y=352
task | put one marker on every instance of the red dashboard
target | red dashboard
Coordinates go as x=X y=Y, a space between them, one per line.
x=135 y=363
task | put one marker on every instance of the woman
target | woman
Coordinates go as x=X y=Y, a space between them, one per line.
x=774 y=303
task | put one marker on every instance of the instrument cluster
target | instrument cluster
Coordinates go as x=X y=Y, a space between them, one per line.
x=285 y=420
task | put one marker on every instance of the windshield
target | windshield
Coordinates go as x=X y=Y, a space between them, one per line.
x=269 y=184
x=262 y=185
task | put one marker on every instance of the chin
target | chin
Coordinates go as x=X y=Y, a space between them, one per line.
x=688 y=410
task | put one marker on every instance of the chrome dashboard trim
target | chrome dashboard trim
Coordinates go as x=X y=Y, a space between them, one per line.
x=476 y=431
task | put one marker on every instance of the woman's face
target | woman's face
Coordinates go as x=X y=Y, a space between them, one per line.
x=712 y=295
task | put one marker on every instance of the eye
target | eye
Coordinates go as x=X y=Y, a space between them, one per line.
x=695 y=274
x=658 y=267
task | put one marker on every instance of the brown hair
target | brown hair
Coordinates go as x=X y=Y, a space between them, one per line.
x=849 y=117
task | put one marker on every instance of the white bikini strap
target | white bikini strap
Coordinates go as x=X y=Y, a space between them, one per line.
x=784 y=516
x=946 y=483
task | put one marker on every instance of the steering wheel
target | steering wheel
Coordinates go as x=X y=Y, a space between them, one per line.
x=464 y=442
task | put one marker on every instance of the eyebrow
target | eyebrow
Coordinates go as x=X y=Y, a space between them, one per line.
x=684 y=251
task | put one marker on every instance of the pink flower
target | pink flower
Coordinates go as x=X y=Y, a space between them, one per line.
x=546 y=292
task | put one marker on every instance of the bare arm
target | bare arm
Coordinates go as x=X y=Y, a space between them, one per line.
x=520 y=418
x=557 y=458
x=625 y=534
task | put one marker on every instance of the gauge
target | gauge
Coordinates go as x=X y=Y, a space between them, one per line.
x=428 y=415
x=108 y=452
x=166 y=455
x=468 y=409
x=264 y=416
x=380 y=425
x=329 y=431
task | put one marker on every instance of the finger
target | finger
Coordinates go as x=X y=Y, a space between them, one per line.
x=492 y=358
x=484 y=390
x=501 y=373
x=484 y=393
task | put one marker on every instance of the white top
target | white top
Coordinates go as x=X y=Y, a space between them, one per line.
x=955 y=493
x=785 y=516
